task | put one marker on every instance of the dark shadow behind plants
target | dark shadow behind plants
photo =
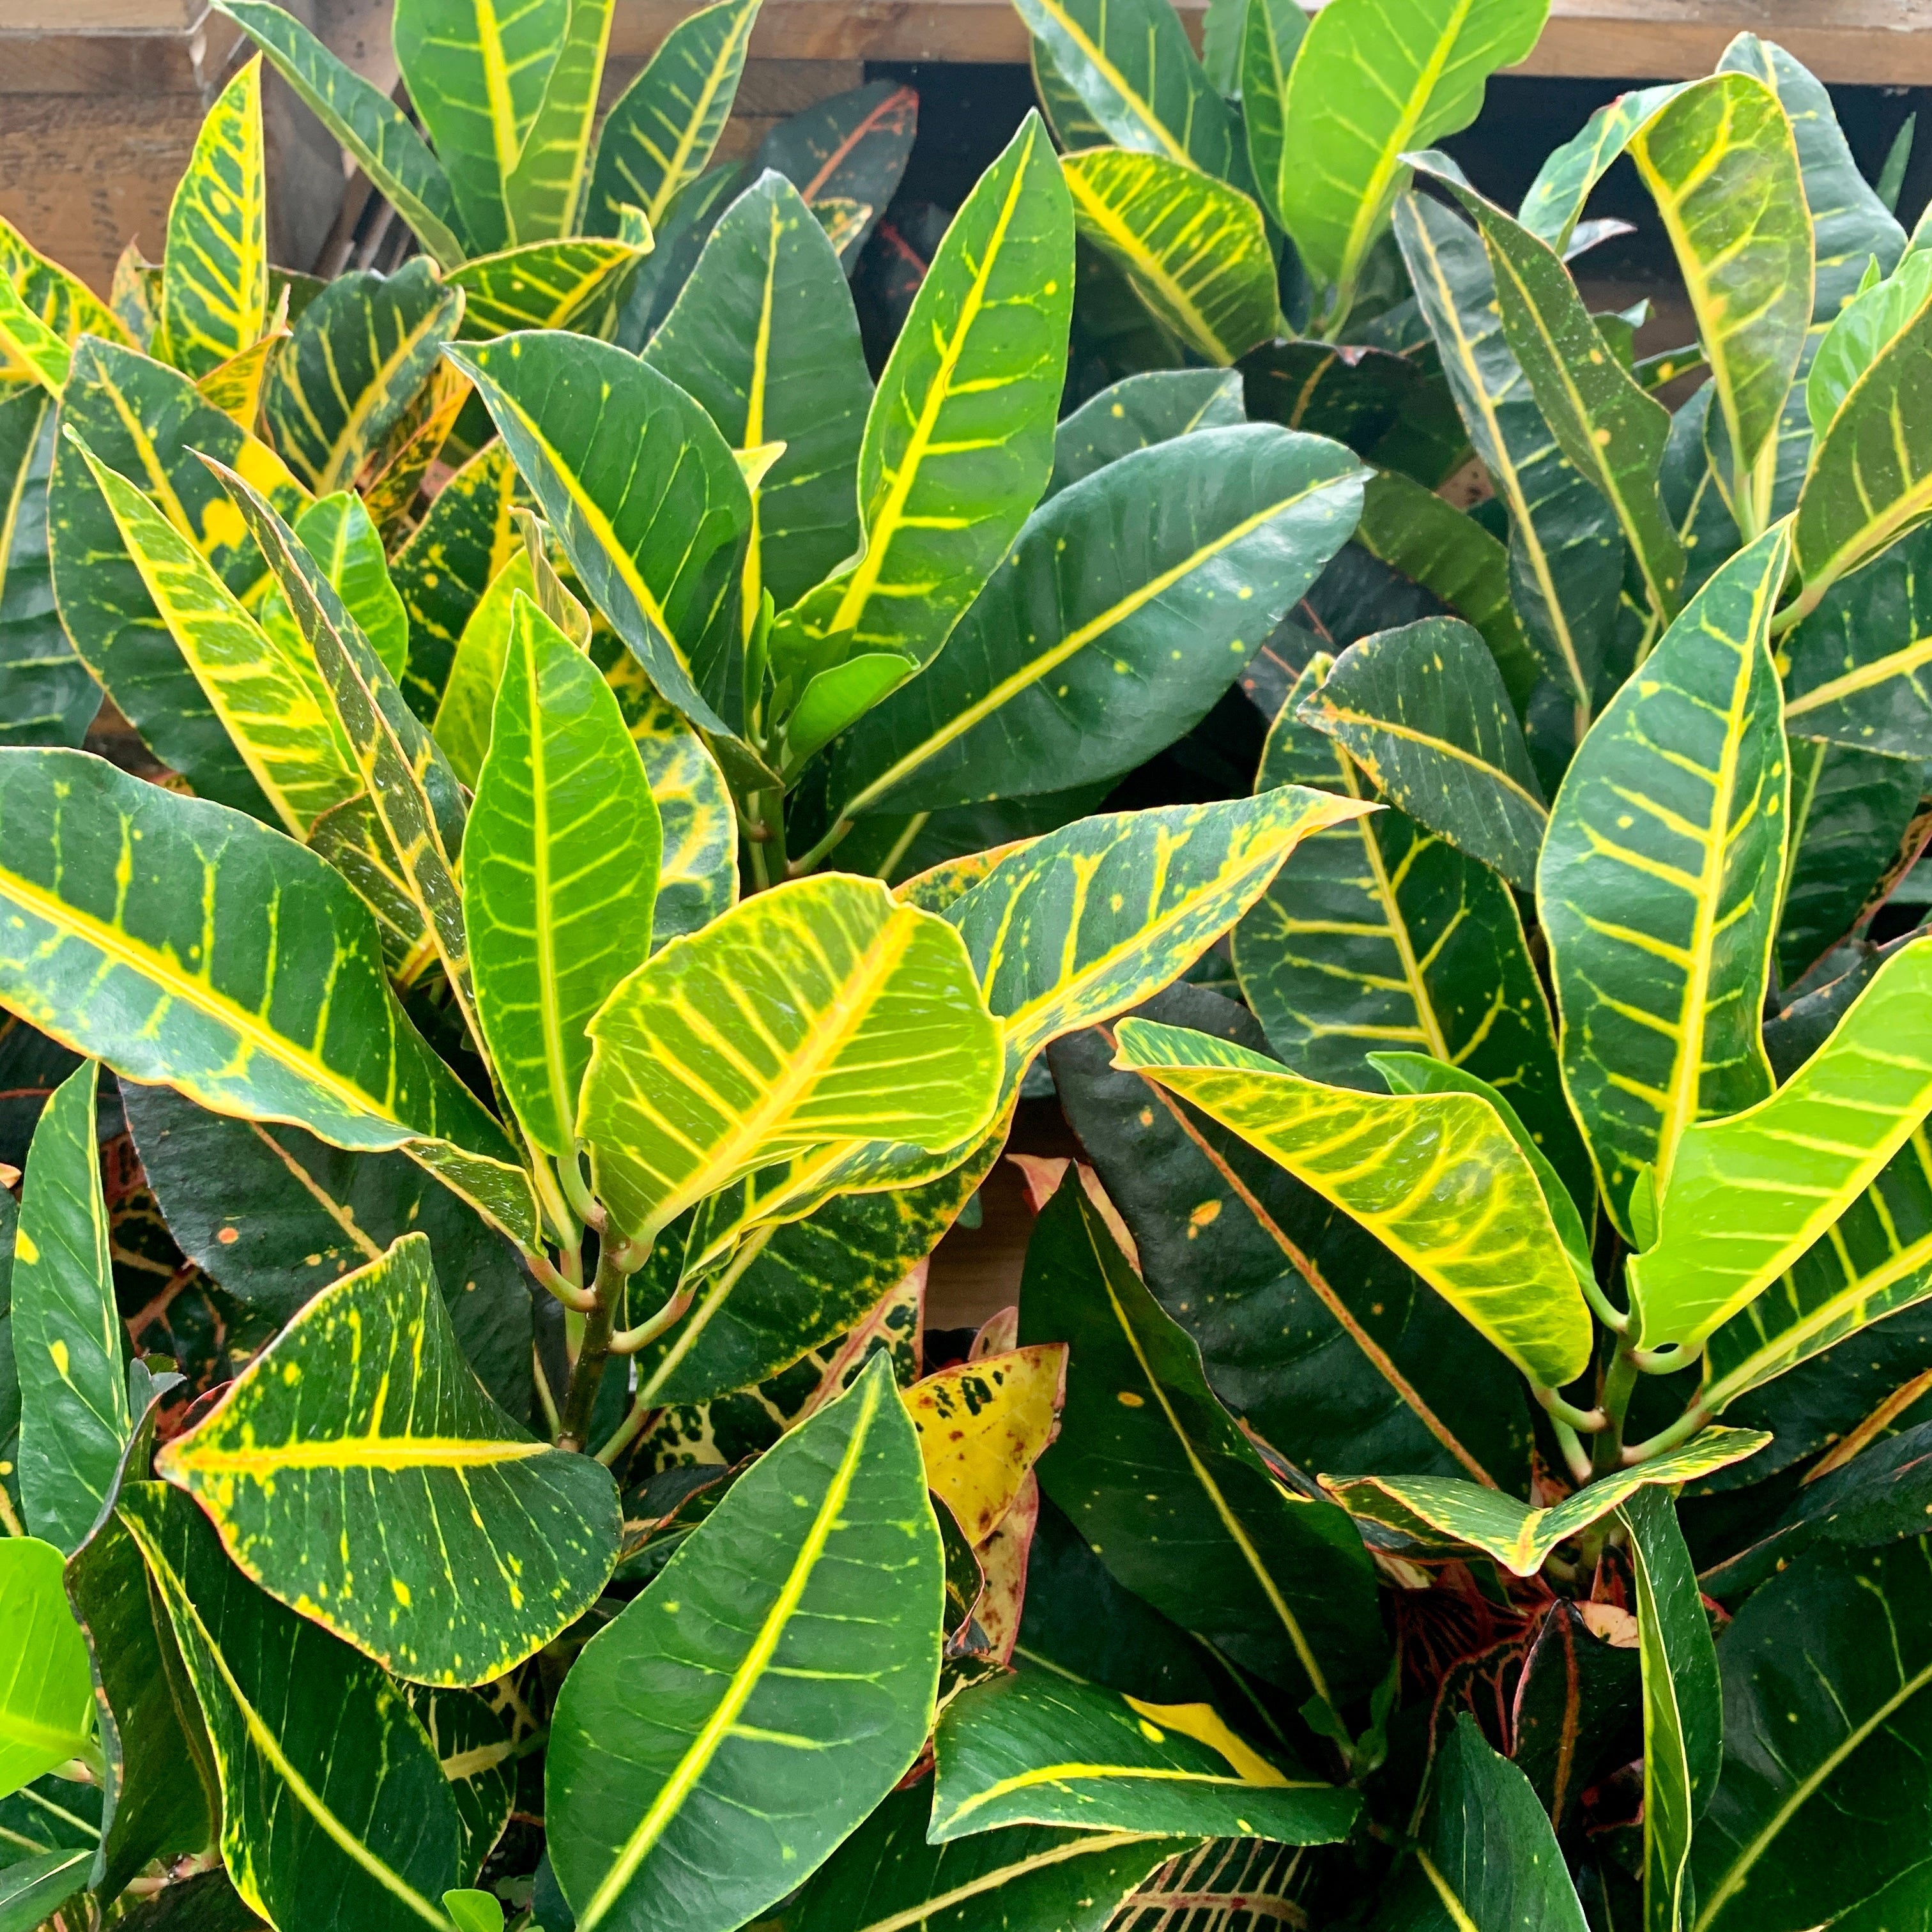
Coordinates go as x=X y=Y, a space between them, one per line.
x=1457 y=1457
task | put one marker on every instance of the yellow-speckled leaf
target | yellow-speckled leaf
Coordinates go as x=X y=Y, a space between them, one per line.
x=352 y=839
x=1436 y=1177
x=29 y=345
x=63 y=302
x=1194 y=249
x=543 y=284
x=235 y=387
x=215 y=276
x=819 y=1013
x=274 y=712
x=982 y=1425
x=362 y=1415
x=1440 y=1513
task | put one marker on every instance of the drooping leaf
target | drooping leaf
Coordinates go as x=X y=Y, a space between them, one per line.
x=1450 y=1192
x=146 y=423
x=304 y=1028
x=1384 y=936
x=560 y=873
x=852 y=149
x=361 y=350
x=545 y=284
x=847 y=1017
x=1683 y=1710
x=381 y=137
x=1131 y=68
x=1657 y=883
x=658 y=138
x=215 y=276
x=275 y=1216
x=1372 y=81
x=1194 y=249
x=765 y=336
x=1721 y=163
x=681 y=1817
x=655 y=543
x=47 y=695
x=1800 y=1158
x=356 y=1471
x=1138 y=412
x=1434 y=1513
x=1566 y=552
x=1162 y=1484
x=1486 y=1860
x=1561 y=189
x=958 y=441
x=886 y=1875
x=267 y=695
x=69 y=1349
x=47 y=1697
x=1308 y=1327
x=982 y=1425
x=1036 y=1748
x=1612 y=433
x=1424 y=711
x=335 y=1809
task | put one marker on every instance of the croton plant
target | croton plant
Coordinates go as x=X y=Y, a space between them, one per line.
x=641 y=790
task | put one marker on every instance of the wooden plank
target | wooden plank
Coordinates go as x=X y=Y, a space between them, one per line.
x=1884 y=42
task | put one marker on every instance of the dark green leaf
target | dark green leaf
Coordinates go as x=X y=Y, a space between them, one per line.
x=680 y=239
x=1424 y=710
x=852 y=149
x=1163 y=1485
x=1576 y=1693
x=335 y=1812
x=712 y=1746
x=32 y=1889
x=1272 y=31
x=1138 y=412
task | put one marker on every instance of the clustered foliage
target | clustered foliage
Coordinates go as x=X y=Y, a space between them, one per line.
x=632 y=809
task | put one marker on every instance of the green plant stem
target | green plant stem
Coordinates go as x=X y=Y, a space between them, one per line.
x=546 y=1400
x=1686 y=1425
x=582 y=1202
x=593 y=1352
x=822 y=849
x=1605 y=1310
x=580 y=1301
x=764 y=813
x=1584 y=1421
x=629 y=1341
x=1619 y=1384
x=564 y=1224
x=627 y=1432
x=1576 y=1457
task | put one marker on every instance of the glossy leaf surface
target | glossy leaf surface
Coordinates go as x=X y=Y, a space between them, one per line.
x=46 y=1696
x=545 y=284
x=1138 y=412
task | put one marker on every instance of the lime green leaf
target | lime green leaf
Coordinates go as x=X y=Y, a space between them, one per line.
x=1032 y=1748
x=1130 y=603
x=309 y=1033
x=698 y=872
x=1272 y=32
x=464 y=718
x=1384 y=936
x=817 y=1013
x=1129 y=66
x=958 y=441
x=61 y=302
x=337 y=533
x=334 y=1794
x=1423 y=711
x=852 y=149
x=215 y=277
x=1195 y=250
x=1440 y=1514
x=68 y=1347
x=1563 y=184
x=1371 y=82
x=656 y=541
x=736 y=1673
x=272 y=704
x=28 y=344
x=545 y=284
x=1748 y=1194
x=544 y=194
x=887 y=1876
x=1865 y=328
x=476 y=73
x=1721 y=163
x=1448 y=1190
x=659 y=137
x=1566 y=554
x=362 y=1412
x=450 y=560
x=47 y=695
x=46 y=1701
x=474 y=1911
x=1683 y=1710
x=1612 y=433
x=560 y=872
x=836 y=697
x=1137 y=412
x=236 y=387
x=1657 y=886
x=765 y=336
x=361 y=350
x=149 y=423
x=1162 y=1483
x=377 y=134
